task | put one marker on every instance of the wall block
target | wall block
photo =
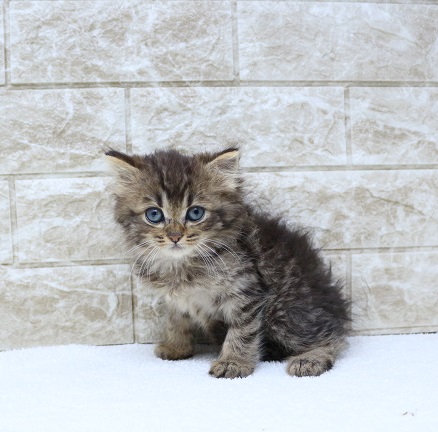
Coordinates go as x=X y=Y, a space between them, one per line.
x=395 y=293
x=46 y=131
x=5 y=224
x=294 y=41
x=58 y=305
x=273 y=126
x=121 y=41
x=66 y=219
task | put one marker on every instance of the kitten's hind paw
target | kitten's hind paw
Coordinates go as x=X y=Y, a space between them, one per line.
x=302 y=368
x=312 y=363
x=230 y=369
x=167 y=352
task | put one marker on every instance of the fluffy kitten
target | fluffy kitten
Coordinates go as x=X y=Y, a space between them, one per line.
x=259 y=289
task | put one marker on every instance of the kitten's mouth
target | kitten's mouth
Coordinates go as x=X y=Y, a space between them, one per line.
x=177 y=251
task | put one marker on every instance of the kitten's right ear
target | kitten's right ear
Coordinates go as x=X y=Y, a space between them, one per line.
x=122 y=164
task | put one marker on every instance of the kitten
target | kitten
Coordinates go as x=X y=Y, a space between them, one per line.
x=256 y=287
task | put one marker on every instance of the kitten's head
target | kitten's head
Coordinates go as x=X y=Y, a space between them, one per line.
x=175 y=206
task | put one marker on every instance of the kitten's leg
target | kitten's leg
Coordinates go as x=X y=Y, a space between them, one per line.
x=241 y=348
x=315 y=361
x=179 y=343
x=217 y=330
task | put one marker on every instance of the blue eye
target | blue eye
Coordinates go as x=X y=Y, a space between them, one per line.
x=195 y=213
x=154 y=215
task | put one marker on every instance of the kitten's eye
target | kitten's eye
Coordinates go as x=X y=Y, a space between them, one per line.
x=154 y=215
x=195 y=213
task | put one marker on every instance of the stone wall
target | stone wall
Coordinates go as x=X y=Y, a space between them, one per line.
x=335 y=105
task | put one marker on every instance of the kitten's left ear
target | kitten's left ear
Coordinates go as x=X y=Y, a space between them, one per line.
x=226 y=161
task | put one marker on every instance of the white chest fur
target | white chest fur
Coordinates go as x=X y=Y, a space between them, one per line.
x=198 y=302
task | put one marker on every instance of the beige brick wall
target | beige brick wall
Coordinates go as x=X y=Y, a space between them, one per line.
x=335 y=105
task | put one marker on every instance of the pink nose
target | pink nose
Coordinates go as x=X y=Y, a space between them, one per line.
x=175 y=237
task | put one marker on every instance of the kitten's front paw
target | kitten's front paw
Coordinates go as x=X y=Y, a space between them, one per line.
x=167 y=352
x=230 y=369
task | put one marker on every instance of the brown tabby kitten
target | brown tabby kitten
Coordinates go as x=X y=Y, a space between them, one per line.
x=258 y=288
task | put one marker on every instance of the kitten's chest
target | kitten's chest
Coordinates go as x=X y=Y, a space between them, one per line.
x=197 y=302
x=200 y=296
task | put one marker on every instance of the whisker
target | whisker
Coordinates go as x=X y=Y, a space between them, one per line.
x=152 y=260
x=212 y=259
x=135 y=262
x=226 y=247
x=216 y=254
x=145 y=261
x=210 y=267
x=135 y=248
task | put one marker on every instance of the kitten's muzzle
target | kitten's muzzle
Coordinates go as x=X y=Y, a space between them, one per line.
x=175 y=236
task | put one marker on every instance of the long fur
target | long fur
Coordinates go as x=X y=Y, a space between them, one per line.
x=258 y=288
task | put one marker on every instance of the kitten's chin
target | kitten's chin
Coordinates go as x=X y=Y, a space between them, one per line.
x=176 y=252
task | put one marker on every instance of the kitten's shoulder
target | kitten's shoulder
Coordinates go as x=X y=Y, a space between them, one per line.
x=282 y=241
x=273 y=229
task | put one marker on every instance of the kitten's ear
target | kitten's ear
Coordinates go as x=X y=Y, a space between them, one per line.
x=226 y=161
x=122 y=164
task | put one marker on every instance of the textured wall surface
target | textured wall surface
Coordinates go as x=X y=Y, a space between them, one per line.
x=335 y=105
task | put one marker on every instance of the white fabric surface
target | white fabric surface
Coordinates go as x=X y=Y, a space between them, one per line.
x=382 y=383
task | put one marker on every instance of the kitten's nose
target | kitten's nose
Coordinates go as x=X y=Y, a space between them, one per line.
x=175 y=237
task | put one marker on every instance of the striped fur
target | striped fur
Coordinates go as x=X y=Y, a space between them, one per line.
x=258 y=288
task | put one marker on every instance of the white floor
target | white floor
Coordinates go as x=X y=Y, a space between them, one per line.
x=382 y=383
